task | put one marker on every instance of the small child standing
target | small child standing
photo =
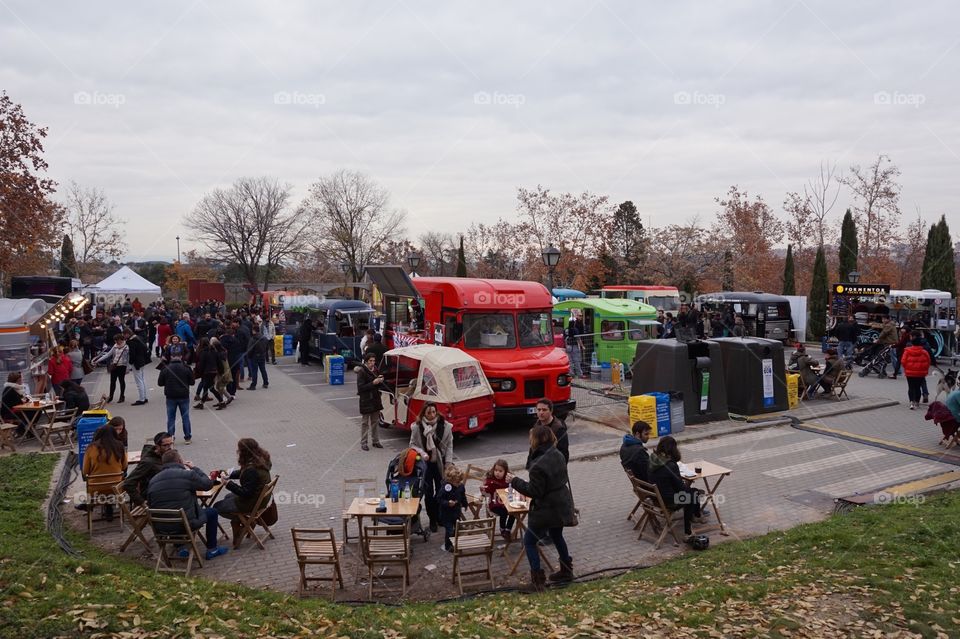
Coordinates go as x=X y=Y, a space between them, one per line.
x=916 y=365
x=452 y=499
x=497 y=480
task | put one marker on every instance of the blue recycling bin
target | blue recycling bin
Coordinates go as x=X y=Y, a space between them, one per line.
x=335 y=368
x=663 y=413
x=288 y=344
x=86 y=427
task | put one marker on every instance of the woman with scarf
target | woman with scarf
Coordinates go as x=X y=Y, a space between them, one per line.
x=431 y=434
x=119 y=359
x=14 y=394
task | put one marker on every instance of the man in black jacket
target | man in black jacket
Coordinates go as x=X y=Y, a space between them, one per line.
x=369 y=382
x=175 y=487
x=304 y=337
x=150 y=464
x=633 y=454
x=546 y=418
x=139 y=358
x=176 y=379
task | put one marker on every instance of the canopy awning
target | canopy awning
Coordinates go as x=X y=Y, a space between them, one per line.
x=392 y=281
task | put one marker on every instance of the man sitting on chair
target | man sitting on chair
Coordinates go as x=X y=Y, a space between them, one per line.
x=175 y=487
x=633 y=454
x=151 y=463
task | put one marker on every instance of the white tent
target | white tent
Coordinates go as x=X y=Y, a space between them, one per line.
x=122 y=284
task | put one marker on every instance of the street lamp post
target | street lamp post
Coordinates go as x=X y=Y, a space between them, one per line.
x=414 y=261
x=551 y=256
x=345 y=267
x=853 y=277
x=178 y=248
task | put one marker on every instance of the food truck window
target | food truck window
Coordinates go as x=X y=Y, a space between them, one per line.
x=398 y=311
x=452 y=330
x=536 y=329
x=637 y=331
x=611 y=330
x=489 y=330
x=664 y=303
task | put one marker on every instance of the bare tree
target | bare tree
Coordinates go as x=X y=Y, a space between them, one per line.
x=354 y=218
x=96 y=233
x=247 y=223
x=821 y=193
x=498 y=250
x=685 y=255
x=909 y=252
x=436 y=249
x=752 y=228
x=877 y=207
x=801 y=223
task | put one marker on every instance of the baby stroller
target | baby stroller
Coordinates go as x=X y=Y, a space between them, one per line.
x=409 y=469
x=877 y=363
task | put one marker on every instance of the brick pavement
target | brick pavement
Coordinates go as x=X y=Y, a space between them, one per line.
x=782 y=477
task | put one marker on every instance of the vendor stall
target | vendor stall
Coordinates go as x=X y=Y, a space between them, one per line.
x=123 y=284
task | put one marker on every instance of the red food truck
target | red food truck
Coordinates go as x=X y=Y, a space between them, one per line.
x=505 y=325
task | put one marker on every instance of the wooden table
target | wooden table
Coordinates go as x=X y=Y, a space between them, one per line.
x=519 y=514
x=32 y=412
x=359 y=508
x=709 y=471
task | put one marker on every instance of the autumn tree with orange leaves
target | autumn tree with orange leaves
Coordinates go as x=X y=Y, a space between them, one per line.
x=30 y=222
x=752 y=229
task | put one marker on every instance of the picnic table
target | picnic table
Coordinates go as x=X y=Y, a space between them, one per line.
x=519 y=509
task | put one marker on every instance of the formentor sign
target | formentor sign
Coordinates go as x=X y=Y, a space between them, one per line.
x=861 y=289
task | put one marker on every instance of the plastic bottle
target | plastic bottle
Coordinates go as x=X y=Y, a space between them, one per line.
x=361 y=492
x=593 y=359
x=406 y=493
x=394 y=491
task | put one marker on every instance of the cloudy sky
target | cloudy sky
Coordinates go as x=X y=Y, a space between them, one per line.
x=452 y=106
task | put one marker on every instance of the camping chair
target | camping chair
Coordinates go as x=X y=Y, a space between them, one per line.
x=165 y=519
x=839 y=387
x=473 y=539
x=317 y=547
x=99 y=486
x=138 y=516
x=248 y=521
x=61 y=428
x=351 y=489
x=655 y=512
x=387 y=546
x=474 y=503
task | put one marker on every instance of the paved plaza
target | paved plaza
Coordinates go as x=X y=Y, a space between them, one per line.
x=782 y=475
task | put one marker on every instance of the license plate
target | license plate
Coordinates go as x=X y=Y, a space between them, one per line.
x=531 y=410
x=472 y=423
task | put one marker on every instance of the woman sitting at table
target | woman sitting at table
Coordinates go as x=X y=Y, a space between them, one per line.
x=74 y=397
x=14 y=394
x=551 y=507
x=104 y=456
x=254 y=474
x=809 y=372
x=119 y=426
x=676 y=494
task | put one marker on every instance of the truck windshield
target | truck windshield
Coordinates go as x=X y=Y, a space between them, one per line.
x=536 y=329
x=489 y=330
x=664 y=303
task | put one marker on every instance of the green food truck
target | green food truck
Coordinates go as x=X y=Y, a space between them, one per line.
x=612 y=327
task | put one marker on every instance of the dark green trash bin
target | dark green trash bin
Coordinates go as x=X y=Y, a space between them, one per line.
x=691 y=368
x=755 y=374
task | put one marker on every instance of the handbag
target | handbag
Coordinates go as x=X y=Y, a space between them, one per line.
x=270 y=515
x=573 y=516
x=87 y=366
x=111 y=366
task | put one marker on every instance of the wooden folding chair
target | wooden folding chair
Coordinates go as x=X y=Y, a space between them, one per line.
x=100 y=490
x=655 y=512
x=351 y=489
x=171 y=529
x=8 y=433
x=249 y=521
x=137 y=516
x=639 y=504
x=839 y=388
x=317 y=547
x=387 y=546
x=473 y=539
x=474 y=503
x=59 y=428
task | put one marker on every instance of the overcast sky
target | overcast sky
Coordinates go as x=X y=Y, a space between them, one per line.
x=451 y=106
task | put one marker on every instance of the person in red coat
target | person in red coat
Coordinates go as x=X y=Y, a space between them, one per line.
x=59 y=368
x=164 y=330
x=916 y=365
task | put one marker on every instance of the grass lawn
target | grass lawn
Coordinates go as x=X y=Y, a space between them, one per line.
x=878 y=572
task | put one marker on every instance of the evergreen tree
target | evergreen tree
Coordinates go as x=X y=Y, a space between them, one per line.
x=939 y=268
x=789 y=281
x=68 y=261
x=848 y=246
x=461 y=260
x=819 y=290
x=726 y=280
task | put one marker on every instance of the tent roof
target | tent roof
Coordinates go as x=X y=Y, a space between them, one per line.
x=20 y=312
x=126 y=279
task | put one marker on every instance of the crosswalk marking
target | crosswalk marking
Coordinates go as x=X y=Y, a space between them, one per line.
x=872 y=481
x=785 y=472
x=764 y=453
x=721 y=442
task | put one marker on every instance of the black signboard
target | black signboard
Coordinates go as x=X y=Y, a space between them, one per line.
x=857 y=290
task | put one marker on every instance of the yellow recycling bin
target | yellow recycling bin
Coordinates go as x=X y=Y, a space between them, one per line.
x=644 y=408
x=793 y=390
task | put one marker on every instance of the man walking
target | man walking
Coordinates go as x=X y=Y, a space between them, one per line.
x=846 y=333
x=368 y=388
x=139 y=358
x=176 y=379
x=258 y=359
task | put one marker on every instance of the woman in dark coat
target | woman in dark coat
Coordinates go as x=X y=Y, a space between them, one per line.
x=551 y=507
x=369 y=383
x=254 y=474
x=208 y=367
x=665 y=473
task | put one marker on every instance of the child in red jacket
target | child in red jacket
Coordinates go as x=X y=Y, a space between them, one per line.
x=916 y=365
x=496 y=480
